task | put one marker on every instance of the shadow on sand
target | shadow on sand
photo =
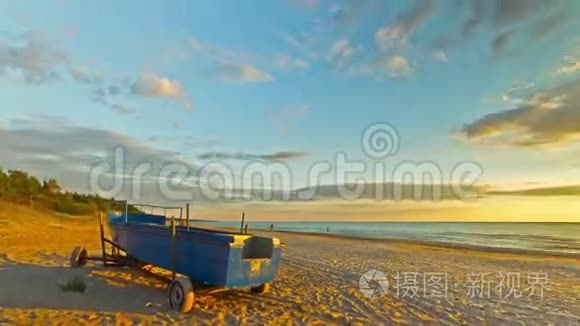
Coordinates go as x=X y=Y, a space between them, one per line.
x=108 y=289
x=113 y=290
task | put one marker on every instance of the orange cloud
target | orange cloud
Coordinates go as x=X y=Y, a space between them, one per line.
x=542 y=119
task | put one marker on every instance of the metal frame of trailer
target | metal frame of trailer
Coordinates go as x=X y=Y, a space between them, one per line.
x=181 y=289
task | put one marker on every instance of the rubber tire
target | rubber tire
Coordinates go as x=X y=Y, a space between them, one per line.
x=261 y=289
x=78 y=257
x=181 y=296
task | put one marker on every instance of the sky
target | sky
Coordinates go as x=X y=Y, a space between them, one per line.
x=493 y=82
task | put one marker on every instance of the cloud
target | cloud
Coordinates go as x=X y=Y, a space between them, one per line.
x=33 y=56
x=53 y=147
x=145 y=86
x=219 y=53
x=475 y=18
x=519 y=87
x=236 y=66
x=440 y=56
x=395 y=35
x=565 y=190
x=183 y=141
x=511 y=11
x=507 y=12
x=349 y=13
x=541 y=119
x=292 y=40
x=152 y=85
x=307 y=43
x=278 y=156
x=571 y=63
x=154 y=138
x=288 y=62
x=398 y=66
x=548 y=24
x=513 y=94
x=85 y=74
x=115 y=107
x=393 y=66
x=569 y=68
x=342 y=52
x=114 y=90
x=539 y=17
x=343 y=19
x=122 y=109
x=501 y=40
x=37 y=59
x=244 y=73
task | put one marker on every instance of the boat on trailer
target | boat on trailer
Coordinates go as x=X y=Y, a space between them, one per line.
x=206 y=259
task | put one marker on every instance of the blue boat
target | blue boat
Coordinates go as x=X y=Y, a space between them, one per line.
x=204 y=257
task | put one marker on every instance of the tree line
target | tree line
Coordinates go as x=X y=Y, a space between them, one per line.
x=21 y=188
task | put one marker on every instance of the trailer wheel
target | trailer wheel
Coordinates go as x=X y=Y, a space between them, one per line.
x=78 y=257
x=261 y=289
x=181 y=295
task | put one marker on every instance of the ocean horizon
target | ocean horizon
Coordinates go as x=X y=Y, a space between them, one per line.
x=541 y=237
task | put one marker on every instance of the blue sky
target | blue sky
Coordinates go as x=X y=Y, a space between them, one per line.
x=302 y=76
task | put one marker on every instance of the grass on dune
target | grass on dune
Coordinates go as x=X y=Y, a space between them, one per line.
x=10 y=212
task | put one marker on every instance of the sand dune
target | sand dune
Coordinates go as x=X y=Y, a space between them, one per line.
x=318 y=283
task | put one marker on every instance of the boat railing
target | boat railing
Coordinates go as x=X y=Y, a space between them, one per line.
x=158 y=214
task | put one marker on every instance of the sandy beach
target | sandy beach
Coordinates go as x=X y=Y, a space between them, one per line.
x=318 y=283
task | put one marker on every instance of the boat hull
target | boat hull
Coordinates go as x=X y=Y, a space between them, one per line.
x=205 y=256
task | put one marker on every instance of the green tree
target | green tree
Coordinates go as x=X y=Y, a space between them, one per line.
x=20 y=187
x=3 y=184
x=50 y=187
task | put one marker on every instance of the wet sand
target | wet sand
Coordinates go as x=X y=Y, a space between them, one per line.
x=318 y=283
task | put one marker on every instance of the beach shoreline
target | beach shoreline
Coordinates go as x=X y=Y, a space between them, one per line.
x=417 y=242
x=319 y=282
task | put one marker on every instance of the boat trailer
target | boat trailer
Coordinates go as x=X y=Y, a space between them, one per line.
x=244 y=257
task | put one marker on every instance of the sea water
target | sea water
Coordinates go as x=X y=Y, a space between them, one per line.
x=559 y=238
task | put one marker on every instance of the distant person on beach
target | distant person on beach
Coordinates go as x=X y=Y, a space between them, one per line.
x=327 y=229
x=271 y=227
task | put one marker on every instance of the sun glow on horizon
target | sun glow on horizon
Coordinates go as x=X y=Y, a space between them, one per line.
x=489 y=209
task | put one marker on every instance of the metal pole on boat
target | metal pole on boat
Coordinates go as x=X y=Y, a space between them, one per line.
x=187 y=215
x=126 y=211
x=102 y=238
x=242 y=225
x=173 y=262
